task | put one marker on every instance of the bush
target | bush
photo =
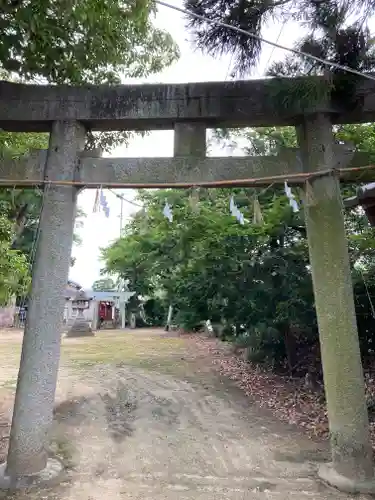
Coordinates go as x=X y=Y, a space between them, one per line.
x=188 y=320
x=264 y=344
x=155 y=311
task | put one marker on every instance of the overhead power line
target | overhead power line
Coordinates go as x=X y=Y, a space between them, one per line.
x=261 y=39
x=277 y=40
x=121 y=197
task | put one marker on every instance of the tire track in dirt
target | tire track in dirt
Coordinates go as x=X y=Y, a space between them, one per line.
x=179 y=441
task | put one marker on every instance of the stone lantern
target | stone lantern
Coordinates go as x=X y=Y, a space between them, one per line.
x=81 y=326
x=365 y=198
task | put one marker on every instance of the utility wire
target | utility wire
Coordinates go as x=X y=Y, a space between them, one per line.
x=263 y=40
x=121 y=197
x=277 y=40
x=34 y=244
x=368 y=293
x=37 y=232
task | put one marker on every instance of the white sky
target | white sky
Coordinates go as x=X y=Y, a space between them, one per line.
x=192 y=66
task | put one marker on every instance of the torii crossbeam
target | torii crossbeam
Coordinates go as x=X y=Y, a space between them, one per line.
x=93 y=171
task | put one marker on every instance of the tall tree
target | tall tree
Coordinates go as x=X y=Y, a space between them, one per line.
x=330 y=35
x=104 y=285
x=22 y=206
x=254 y=277
x=82 y=41
x=209 y=266
x=14 y=268
x=76 y=42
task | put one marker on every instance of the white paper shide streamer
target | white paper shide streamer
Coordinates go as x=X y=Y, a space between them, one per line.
x=234 y=210
x=101 y=203
x=167 y=212
x=292 y=200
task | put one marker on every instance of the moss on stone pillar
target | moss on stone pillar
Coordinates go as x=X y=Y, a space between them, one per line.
x=342 y=368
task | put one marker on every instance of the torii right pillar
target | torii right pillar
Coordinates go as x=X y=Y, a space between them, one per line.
x=351 y=469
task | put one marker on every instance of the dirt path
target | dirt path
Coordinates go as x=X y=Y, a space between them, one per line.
x=171 y=430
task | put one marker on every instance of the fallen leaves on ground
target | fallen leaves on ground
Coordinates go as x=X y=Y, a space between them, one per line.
x=286 y=397
x=6 y=405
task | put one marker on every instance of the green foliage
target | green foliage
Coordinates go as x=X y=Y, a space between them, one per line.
x=155 y=308
x=263 y=344
x=336 y=37
x=250 y=15
x=82 y=42
x=75 y=42
x=16 y=145
x=259 y=141
x=297 y=95
x=253 y=280
x=338 y=33
x=329 y=34
x=361 y=136
x=104 y=285
x=20 y=210
x=209 y=266
x=364 y=292
x=21 y=207
x=14 y=271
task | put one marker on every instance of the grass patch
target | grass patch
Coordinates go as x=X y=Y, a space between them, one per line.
x=62 y=447
x=10 y=384
x=140 y=348
x=127 y=347
x=171 y=365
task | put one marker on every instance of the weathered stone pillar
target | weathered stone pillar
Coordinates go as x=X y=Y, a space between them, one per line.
x=33 y=409
x=169 y=318
x=352 y=467
x=123 y=314
x=95 y=315
x=190 y=141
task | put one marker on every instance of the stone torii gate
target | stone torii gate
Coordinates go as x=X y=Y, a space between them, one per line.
x=66 y=113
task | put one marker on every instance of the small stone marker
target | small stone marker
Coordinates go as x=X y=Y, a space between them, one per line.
x=81 y=326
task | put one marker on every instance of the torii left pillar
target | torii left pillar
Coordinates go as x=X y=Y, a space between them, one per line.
x=27 y=461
